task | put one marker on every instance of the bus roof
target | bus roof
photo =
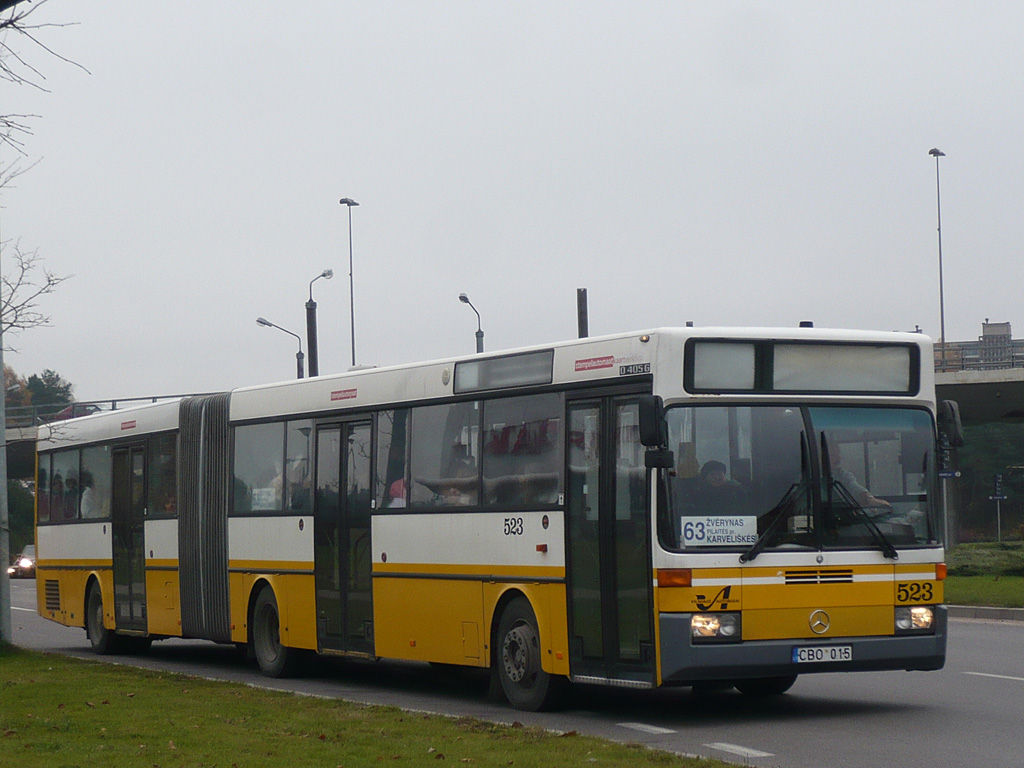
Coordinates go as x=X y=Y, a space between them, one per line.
x=577 y=361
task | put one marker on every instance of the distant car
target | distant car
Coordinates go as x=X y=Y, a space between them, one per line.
x=24 y=566
x=73 y=411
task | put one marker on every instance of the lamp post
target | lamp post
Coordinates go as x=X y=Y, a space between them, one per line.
x=311 y=342
x=479 y=333
x=298 y=355
x=351 y=284
x=937 y=153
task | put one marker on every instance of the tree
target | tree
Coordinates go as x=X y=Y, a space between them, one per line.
x=50 y=388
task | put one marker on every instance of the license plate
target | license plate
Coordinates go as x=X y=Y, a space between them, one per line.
x=814 y=654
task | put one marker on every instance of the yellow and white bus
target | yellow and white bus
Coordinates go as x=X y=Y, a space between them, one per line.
x=689 y=506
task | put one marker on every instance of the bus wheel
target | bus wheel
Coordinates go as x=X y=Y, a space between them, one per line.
x=525 y=684
x=766 y=686
x=275 y=660
x=104 y=641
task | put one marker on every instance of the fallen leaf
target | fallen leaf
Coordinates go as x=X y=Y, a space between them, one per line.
x=170 y=745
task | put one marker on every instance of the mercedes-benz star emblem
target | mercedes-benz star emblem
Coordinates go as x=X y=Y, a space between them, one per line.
x=820 y=622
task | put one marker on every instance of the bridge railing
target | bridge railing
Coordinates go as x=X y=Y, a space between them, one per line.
x=21 y=416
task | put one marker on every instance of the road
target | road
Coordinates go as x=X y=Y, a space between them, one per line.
x=971 y=712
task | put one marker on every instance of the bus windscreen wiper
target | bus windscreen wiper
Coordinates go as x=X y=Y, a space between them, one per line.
x=862 y=514
x=781 y=513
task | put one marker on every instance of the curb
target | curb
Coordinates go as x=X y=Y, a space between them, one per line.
x=985 y=612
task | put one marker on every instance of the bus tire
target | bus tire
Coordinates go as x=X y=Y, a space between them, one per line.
x=518 y=660
x=765 y=686
x=274 y=659
x=104 y=641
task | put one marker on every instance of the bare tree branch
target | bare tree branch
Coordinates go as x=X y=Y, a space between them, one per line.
x=23 y=283
x=15 y=69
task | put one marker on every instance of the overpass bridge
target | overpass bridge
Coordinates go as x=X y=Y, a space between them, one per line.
x=984 y=396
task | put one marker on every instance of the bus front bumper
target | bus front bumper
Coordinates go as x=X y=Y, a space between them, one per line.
x=684 y=662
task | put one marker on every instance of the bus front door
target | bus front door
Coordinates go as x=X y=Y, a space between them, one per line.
x=608 y=559
x=342 y=554
x=128 y=516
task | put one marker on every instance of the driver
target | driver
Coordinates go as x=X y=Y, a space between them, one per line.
x=847 y=479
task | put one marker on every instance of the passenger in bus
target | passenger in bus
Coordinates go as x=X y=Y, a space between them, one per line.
x=848 y=481
x=716 y=494
x=454 y=493
x=397 y=496
x=89 y=506
x=57 y=496
x=70 y=497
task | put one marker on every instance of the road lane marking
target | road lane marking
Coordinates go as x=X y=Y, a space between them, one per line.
x=998 y=677
x=736 y=749
x=16 y=608
x=643 y=727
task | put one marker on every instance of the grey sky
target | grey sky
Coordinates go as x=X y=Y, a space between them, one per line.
x=729 y=163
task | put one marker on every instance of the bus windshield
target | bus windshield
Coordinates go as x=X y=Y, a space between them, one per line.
x=762 y=478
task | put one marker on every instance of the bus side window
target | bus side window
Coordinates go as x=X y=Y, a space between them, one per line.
x=43 y=489
x=392 y=487
x=162 y=499
x=443 y=456
x=522 y=451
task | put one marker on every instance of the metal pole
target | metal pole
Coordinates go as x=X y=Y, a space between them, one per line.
x=298 y=355
x=5 y=531
x=351 y=282
x=479 y=329
x=582 y=318
x=314 y=350
x=311 y=341
x=351 y=289
x=937 y=153
x=999 y=522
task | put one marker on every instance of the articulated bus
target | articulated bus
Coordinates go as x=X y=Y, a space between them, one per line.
x=693 y=506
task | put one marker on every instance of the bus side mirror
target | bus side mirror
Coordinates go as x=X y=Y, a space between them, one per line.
x=653 y=429
x=654 y=433
x=951 y=430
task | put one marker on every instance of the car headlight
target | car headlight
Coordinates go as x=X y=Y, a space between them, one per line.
x=25 y=563
x=719 y=627
x=11 y=570
x=916 y=618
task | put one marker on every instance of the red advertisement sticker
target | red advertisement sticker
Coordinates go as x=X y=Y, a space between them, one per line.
x=593 y=363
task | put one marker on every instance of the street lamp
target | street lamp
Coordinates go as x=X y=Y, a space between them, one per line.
x=937 y=153
x=298 y=355
x=311 y=343
x=479 y=333
x=351 y=285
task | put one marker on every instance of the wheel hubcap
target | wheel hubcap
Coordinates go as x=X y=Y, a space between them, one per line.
x=515 y=654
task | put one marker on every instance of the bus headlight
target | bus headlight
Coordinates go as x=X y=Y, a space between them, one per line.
x=721 y=627
x=917 y=618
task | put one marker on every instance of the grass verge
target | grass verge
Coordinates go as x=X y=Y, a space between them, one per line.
x=997 y=591
x=61 y=713
x=986 y=574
